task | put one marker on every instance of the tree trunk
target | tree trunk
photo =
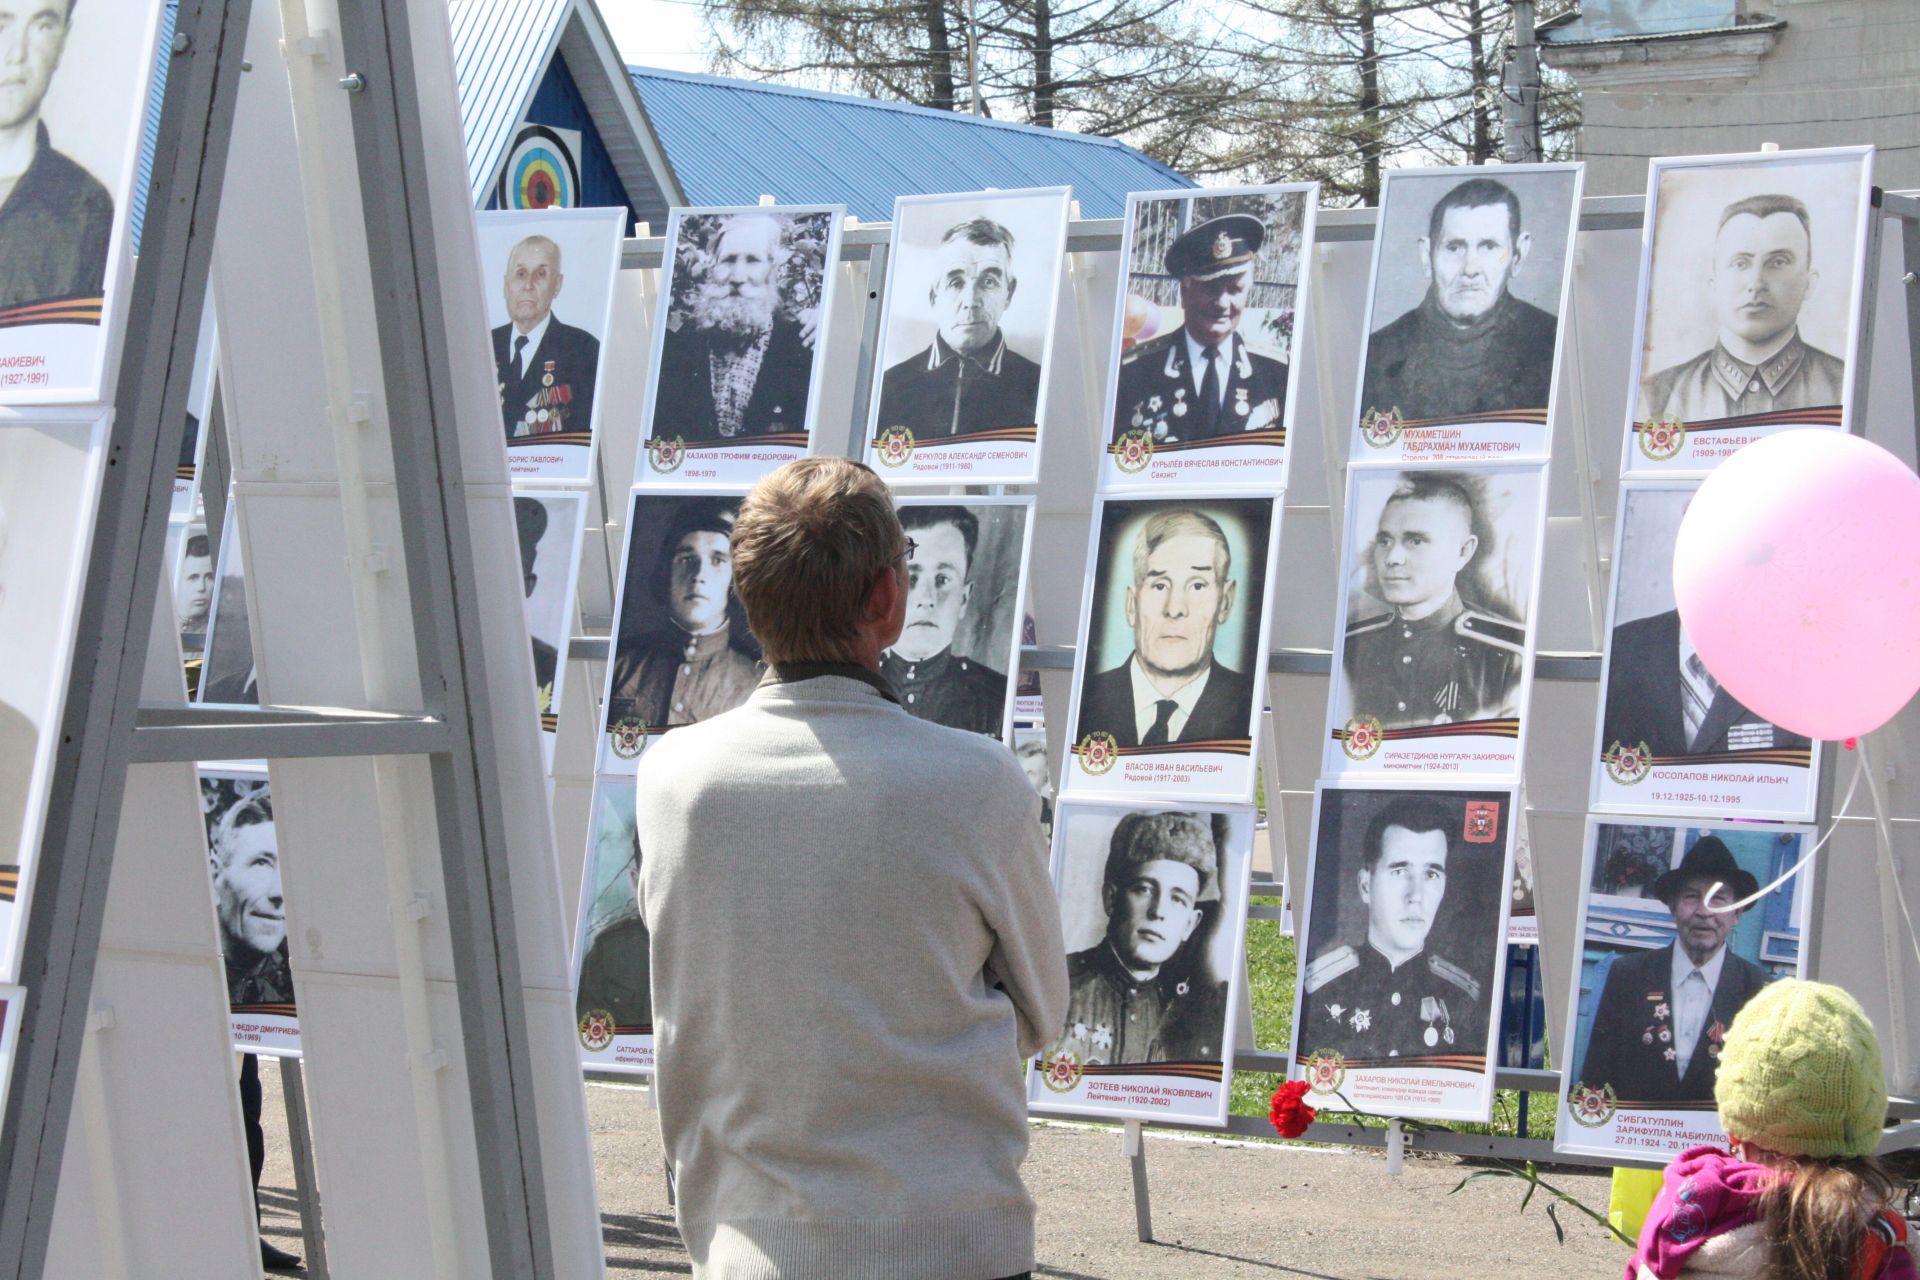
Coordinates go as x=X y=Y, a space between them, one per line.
x=939 y=54
x=1370 y=115
x=1482 y=79
x=1043 y=85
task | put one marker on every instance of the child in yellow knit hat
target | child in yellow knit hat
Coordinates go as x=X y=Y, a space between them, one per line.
x=1803 y=1099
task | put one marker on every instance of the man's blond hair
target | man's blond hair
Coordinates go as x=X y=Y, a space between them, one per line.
x=811 y=540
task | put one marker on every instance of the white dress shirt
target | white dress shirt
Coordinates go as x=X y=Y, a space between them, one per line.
x=1145 y=696
x=534 y=337
x=1197 y=364
x=1692 y=995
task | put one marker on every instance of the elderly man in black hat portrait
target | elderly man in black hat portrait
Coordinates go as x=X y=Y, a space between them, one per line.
x=1663 y=1013
x=1146 y=992
x=1202 y=382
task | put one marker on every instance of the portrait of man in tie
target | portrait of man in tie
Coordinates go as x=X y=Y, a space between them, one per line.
x=1183 y=573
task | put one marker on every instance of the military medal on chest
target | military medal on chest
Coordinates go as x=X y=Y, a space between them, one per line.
x=548 y=409
x=1240 y=405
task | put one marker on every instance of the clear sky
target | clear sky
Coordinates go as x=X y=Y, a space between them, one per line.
x=658 y=33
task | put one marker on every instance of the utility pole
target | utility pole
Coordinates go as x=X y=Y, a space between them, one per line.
x=1520 y=89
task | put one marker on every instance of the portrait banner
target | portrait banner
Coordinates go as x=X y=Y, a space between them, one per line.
x=1207 y=325
x=190 y=553
x=1671 y=740
x=740 y=342
x=1404 y=949
x=1663 y=969
x=549 y=323
x=549 y=524
x=1752 y=274
x=1029 y=708
x=1169 y=675
x=1441 y=572
x=681 y=650
x=1523 y=913
x=1030 y=748
x=49 y=494
x=960 y=388
x=1472 y=273
x=613 y=1001
x=227 y=673
x=76 y=105
x=243 y=855
x=1153 y=908
x=958 y=656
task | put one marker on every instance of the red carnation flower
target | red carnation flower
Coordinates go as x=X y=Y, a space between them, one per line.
x=1289 y=1113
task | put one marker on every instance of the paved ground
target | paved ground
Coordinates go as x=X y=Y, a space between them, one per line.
x=1220 y=1209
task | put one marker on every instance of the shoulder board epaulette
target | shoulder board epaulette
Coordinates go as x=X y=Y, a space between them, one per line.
x=1488 y=629
x=1151 y=348
x=1369 y=624
x=1448 y=971
x=1330 y=966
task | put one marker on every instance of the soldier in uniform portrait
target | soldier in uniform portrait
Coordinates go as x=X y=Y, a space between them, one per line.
x=969 y=379
x=1146 y=992
x=1392 y=997
x=1171 y=688
x=1761 y=271
x=1431 y=658
x=194 y=596
x=1202 y=382
x=1659 y=692
x=738 y=365
x=546 y=367
x=692 y=663
x=933 y=682
x=244 y=855
x=1662 y=1013
x=614 y=974
x=530 y=519
x=56 y=220
x=1470 y=347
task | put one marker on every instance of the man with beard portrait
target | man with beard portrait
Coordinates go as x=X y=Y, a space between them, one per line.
x=737 y=365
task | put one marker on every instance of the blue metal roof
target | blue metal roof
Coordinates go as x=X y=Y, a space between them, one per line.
x=500 y=51
x=731 y=141
x=150 y=134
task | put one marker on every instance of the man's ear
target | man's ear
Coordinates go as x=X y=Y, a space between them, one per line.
x=1132 y=604
x=1012 y=284
x=1426 y=258
x=1521 y=247
x=558 y=281
x=885 y=593
x=1227 y=591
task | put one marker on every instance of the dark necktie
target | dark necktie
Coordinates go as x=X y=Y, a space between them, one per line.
x=1210 y=391
x=1157 y=731
x=519 y=364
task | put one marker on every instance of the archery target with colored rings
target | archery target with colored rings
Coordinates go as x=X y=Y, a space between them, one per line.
x=541 y=171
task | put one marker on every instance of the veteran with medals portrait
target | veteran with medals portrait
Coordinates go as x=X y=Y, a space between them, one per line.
x=546 y=366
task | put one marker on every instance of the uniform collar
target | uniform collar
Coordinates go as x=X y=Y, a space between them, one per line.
x=1381 y=957
x=701 y=646
x=896 y=668
x=1774 y=372
x=793 y=672
x=940 y=353
x=1439 y=619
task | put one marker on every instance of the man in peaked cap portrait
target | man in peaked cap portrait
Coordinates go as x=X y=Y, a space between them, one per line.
x=1470 y=346
x=1146 y=992
x=1662 y=1013
x=933 y=682
x=1202 y=382
x=1393 y=996
x=546 y=367
x=968 y=379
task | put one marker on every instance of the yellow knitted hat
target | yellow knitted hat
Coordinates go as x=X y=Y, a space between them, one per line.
x=1800 y=1073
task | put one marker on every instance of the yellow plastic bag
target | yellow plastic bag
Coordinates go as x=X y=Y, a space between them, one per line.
x=1631 y=1198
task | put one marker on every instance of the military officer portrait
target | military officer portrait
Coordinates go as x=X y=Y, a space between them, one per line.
x=1466 y=293
x=1752 y=287
x=737 y=351
x=971 y=299
x=682 y=651
x=1659 y=1013
x=1175 y=662
x=1404 y=924
x=614 y=974
x=1205 y=380
x=1436 y=631
x=546 y=367
x=1659 y=691
x=951 y=661
x=1146 y=914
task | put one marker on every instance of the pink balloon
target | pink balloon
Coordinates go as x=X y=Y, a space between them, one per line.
x=1797 y=575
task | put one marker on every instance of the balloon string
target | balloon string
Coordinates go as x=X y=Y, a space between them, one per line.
x=1884 y=823
x=1859 y=770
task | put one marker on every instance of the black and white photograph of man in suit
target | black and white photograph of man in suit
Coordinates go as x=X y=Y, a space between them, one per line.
x=745 y=306
x=549 y=319
x=1469 y=274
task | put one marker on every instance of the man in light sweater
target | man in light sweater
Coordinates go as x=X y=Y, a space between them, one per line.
x=855 y=940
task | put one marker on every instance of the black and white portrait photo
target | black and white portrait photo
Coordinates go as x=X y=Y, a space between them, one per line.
x=1440 y=571
x=1469 y=280
x=227 y=670
x=611 y=980
x=1153 y=913
x=681 y=649
x=742 y=336
x=244 y=859
x=1030 y=748
x=1662 y=709
x=972 y=282
x=548 y=527
x=1207 y=325
x=549 y=319
x=72 y=105
x=966 y=561
x=1752 y=296
x=1173 y=643
x=1666 y=964
x=49 y=489
x=193 y=582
